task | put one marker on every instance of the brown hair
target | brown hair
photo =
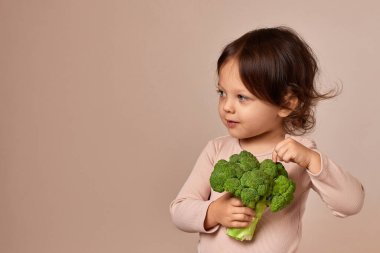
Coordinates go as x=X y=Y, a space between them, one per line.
x=276 y=62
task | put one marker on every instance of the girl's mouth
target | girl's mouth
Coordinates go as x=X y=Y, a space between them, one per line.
x=231 y=124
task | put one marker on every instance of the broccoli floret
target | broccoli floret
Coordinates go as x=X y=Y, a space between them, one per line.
x=281 y=170
x=257 y=185
x=232 y=185
x=249 y=197
x=273 y=169
x=269 y=167
x=237 y=193
x=234 y=158
x=238 y=169
x=257 y=180
x=248 y=161
x=283 y=190
x=220 y=174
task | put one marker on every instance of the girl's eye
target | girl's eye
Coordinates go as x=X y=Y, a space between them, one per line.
x=220 y=93
x=242 y=98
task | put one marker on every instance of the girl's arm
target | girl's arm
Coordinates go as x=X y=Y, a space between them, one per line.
x=192 y=211
x=189 y=209
x=341 y=192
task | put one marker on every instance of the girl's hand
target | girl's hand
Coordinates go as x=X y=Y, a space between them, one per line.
x=290 y=150
x=229 y=212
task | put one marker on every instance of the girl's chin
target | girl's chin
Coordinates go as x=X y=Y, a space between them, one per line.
x=236 y=134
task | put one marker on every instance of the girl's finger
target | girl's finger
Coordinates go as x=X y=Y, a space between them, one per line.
x=283 y=143
x=227 y=195
x=236 y=202
x=287 y=157
x=282 y=152
x=239 y=224
x=274 y=156
x=242 y=217
x=244 y=210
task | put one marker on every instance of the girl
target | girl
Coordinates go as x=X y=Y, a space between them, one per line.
x=266 y=94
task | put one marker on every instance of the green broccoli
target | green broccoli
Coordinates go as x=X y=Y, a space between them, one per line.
x=273 y=169
x=282 y=193
x=258 y=185
x=231 y=185
x=247 y=161
x=222 y=171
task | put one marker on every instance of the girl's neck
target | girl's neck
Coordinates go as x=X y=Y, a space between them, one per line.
x=264 y=143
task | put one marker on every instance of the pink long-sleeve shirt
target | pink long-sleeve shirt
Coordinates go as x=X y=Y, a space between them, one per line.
x=276 y=232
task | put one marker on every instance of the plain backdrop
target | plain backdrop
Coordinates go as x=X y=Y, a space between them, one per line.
x=105 y=106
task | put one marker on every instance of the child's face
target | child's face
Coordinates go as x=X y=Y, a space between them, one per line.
x=244 y=115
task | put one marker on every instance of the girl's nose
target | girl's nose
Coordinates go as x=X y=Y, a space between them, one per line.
x=228 y=106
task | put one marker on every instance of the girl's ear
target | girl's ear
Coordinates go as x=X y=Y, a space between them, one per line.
x=291 y=103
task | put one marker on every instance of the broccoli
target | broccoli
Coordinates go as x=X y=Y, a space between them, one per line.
x=282 y=193
x=222 y=171
x=273 y=169
x=257 y=185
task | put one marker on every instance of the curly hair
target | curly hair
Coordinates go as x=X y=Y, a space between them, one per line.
x=273 y=63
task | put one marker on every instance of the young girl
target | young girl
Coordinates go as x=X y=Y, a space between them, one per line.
x=266 y=94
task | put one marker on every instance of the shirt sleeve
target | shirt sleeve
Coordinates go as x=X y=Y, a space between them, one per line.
x=339 y=190
x=188 y=210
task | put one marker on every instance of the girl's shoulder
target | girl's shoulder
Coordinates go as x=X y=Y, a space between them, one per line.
x=304 y=140
x=223 y=146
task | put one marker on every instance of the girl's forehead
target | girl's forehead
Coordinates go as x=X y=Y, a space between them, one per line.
x=229 y=73
x=230 y=67
x=229 y=77
x=234 y=87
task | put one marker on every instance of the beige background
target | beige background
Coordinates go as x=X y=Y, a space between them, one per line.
x=105 y=106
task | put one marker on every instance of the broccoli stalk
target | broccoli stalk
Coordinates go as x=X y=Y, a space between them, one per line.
x=246 y=233
x=258 y=185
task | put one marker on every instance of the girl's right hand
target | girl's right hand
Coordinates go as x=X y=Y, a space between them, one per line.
x=229 y=212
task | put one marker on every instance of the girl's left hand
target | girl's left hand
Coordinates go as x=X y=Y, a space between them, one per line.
x=289 y=150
